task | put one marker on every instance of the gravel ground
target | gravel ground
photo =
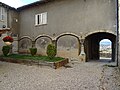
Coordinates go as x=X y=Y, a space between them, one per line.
x=75 y=76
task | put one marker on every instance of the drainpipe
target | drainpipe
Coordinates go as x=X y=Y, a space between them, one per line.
x=117 y=37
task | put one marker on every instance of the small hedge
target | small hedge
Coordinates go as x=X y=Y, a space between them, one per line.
x=6 y=50
x=51 y=51
x=30 y=57
x=33 y=51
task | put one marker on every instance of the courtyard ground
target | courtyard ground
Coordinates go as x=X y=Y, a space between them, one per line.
x=91 y=75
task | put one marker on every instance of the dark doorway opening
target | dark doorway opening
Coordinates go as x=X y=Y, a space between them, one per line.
x=92 y=46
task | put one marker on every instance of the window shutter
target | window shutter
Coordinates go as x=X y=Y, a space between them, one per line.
x=44 y=18
x=36 y=20
x=40 y=19
x=2 y=13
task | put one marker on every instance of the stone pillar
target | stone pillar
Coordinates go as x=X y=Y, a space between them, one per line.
x=33 y=44
x=54 y=42
x=82 y=53
x=15 y=45
x=2 y=42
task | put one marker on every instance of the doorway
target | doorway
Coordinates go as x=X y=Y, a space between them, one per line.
x=105 y=50
x=92 y=45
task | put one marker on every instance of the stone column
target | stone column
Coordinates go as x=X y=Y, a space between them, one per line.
x=33 y=44
x=82 y=53
x=15 y=45
x=54 y=41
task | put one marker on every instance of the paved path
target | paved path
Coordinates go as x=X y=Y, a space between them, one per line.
x=75 y=76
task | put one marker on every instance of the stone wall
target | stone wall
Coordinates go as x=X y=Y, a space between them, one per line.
x=73 y=16
x=15 y=45
x=1 y=42
x=81 y=17
x=119 y=34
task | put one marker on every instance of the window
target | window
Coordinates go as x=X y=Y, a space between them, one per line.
x=41 y=19
x=1 y=13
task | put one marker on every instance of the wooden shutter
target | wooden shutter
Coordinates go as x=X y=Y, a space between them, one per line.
x=44 y=18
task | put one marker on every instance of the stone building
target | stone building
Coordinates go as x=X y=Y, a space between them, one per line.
x=75 y=26
x=8 y=22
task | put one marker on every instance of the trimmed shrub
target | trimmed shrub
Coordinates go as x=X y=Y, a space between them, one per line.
x=33 y=51
x=51 y=51
x=6 y=50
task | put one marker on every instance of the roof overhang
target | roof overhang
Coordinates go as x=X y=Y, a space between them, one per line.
x=7 y=6
x=33 y=4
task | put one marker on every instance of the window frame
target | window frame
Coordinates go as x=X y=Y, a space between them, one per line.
x=41 y=19
x=1 y=14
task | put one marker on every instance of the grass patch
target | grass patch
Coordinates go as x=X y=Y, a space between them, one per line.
x=43 y=58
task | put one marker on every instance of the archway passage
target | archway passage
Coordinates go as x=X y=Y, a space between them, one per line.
x=92 y=45
x=105 y=49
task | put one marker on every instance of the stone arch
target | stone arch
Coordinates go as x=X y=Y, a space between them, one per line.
x=40 y=36
x=92 y=44
x=25 y=37
x=72 y=36
x=41 y=43
x=98 y=31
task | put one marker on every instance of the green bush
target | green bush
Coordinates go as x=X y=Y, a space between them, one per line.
x=6 y=50
x=33 y=51
x=51 y=51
